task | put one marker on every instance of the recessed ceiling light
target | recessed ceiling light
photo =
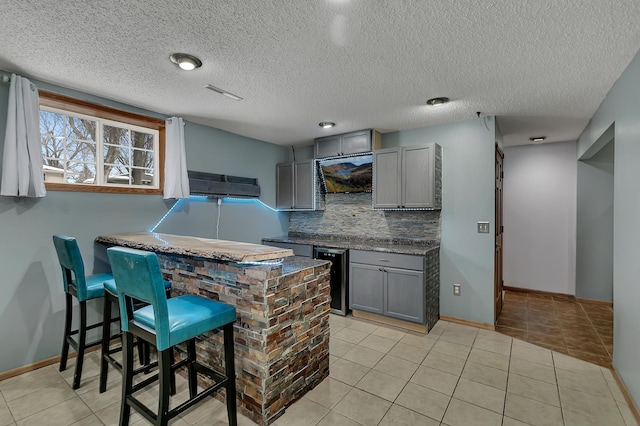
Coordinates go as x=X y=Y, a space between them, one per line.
x=326 y=124
x=537 y=138
x=185 y=61
x=437 y=101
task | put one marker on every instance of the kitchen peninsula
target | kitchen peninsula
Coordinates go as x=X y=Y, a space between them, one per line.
x=389 y=279
x=282 y=303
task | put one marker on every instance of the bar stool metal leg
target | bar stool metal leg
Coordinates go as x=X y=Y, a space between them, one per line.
x=173 y=375
x=82 y=340
x=127 y=377
x=230 y=370
x=64 y=355
x=165 y=359
x=106 y=332
x=191 y=368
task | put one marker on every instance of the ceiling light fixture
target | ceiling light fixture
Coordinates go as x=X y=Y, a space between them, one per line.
x=223 y=92
x=537 y=138
x=437 y=101
x=326 y=124
x=185 y=61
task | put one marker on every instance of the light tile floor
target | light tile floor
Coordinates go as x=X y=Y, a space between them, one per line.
x=456 y=375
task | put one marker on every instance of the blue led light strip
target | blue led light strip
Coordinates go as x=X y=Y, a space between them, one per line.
x=165 y=215
x=246 y=200
x=204 y=197
x=274 y=262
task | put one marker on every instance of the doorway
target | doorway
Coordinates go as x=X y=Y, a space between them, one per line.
x=499 y=228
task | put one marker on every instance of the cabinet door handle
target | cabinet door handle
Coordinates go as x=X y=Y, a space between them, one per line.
x=380 y=269
x=383 y=260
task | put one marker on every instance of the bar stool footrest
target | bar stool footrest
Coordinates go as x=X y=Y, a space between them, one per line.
x=219 y=381
x=74 y=344
x=155 y=377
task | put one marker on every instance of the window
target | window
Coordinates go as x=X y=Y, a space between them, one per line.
x=88 y=147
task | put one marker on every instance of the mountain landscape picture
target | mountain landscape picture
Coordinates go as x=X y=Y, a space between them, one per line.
x=351 y=174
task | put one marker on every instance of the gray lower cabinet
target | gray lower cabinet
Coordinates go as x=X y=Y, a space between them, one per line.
x=295 y=187
x=404 y=294
x=388 y=284
x=366 y=288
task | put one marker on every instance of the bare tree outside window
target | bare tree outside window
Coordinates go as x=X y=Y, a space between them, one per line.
x=70 y=145
x=87 y=147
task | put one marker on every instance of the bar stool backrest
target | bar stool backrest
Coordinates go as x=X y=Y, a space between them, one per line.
x=138 y=275
x=72 y=266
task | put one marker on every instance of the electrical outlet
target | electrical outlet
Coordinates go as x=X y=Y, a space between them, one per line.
x=483 y=227
x=456 y=289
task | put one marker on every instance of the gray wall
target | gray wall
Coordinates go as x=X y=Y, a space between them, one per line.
x=217 y=151
x=540 y=217
x=622 y=107
x=466 y=257
x=594 y=236
x=31 y=296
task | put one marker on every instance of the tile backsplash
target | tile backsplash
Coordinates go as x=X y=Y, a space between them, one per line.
x=351 y=215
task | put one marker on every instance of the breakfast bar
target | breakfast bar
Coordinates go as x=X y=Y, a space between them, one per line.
x=282 y=303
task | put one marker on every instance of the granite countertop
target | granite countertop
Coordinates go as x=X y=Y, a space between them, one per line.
x=231 y=251
x=296 y=263
x=386 y=245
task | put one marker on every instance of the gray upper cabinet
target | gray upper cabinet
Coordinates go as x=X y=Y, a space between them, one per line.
x=303 y=188
x=418 y=176
x=284 y=186
x=408 y=177
x=295 y=186
x=347 y=144
x=387 y=178
x=327 y=147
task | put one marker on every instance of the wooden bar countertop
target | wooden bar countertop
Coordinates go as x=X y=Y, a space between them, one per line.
x=207 y=248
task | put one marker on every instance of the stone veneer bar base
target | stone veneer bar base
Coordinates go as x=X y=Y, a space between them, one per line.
x=282 y=332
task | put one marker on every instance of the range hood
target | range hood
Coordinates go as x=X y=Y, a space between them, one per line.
x=215 y=185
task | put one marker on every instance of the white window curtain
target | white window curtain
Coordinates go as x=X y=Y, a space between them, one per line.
x=22 y=159
x=176 y=179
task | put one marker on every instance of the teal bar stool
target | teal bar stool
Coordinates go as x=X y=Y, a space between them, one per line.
x=82 y=287
x=111 y=298
x=166 y=323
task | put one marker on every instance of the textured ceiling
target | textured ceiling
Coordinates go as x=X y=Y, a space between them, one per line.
x=542 y=67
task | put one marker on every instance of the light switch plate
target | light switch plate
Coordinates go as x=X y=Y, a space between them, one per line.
x=456 y=289
x=483 y=227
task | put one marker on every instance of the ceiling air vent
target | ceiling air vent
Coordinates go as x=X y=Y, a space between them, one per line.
x=223 y=92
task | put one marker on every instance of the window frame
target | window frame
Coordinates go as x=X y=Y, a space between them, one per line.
x=72 y=105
